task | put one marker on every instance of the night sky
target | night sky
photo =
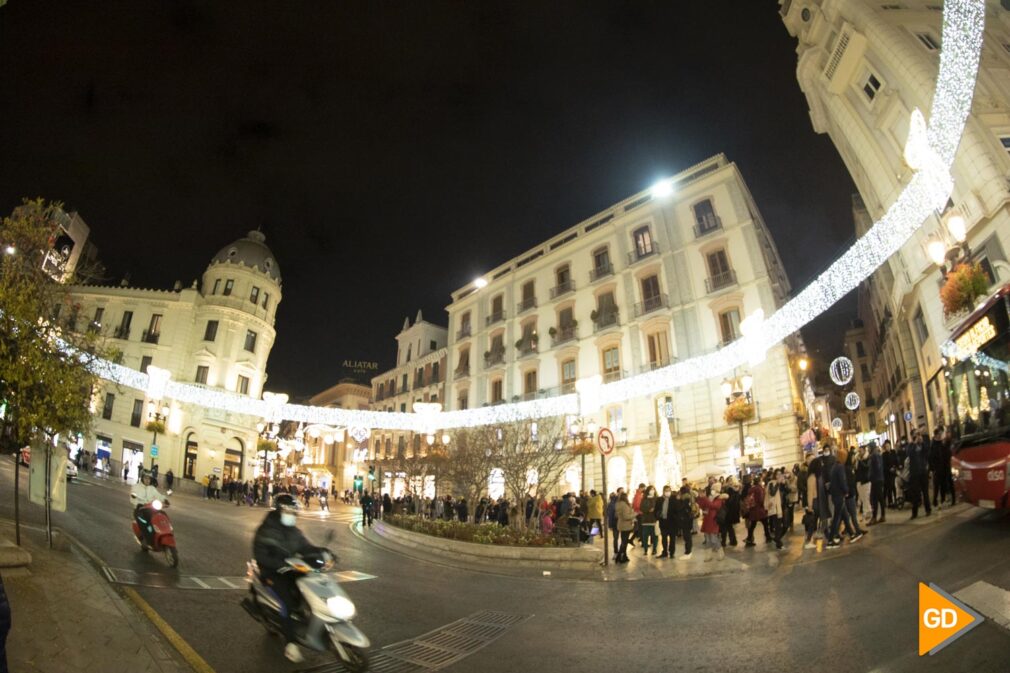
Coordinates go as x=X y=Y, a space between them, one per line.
x=393 y=151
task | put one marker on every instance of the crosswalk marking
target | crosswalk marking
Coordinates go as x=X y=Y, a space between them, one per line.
x=202 y=582
x=988 y=599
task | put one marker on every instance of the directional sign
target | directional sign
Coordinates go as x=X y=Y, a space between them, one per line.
x=605 y=439
x=154 y=451
x=908 y=416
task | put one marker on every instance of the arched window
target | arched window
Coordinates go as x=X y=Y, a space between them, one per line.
x=617 y=472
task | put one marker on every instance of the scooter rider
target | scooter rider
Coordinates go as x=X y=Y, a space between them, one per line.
x=142 y=495
x=278 y=539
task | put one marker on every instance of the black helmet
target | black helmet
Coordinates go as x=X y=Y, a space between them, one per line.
x=285 y=502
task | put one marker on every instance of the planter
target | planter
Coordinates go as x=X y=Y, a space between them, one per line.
x=454 y=551
x=962 y=287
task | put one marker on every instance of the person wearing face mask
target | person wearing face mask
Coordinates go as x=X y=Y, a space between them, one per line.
x=276 y=540
x=648 y=515
x=666 y=514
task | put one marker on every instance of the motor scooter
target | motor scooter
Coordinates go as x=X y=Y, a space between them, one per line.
x=162 y=534
x=323 y=620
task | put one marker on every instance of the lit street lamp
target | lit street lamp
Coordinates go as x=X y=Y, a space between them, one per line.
x=583 y=432
x=157 y=416
x=739 y=387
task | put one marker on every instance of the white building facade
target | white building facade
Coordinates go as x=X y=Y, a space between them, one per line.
x=651 y=280
x=216 y=334
x=864 y=67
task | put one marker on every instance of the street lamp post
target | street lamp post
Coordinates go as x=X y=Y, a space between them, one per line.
x=267 y=433
x=430 y=439
x=583 y=433
x=157 y=415
x=734 y=389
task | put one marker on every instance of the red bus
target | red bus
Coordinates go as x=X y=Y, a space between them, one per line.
x=977 y=358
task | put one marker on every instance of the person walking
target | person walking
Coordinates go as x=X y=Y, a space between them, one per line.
x=612 y=521
x=665 y=514
x=594 y=511
x=852 y=488
x=945 y=472
x=756 y=512
x=838 y=489
x=647 y=509
x=773 y=506
x=684 y=517
x=878 y=499
x=366 y=509
x=711 y=505
x=728 y=528
x=169 y=479
x=863 y=484
x=918 y=472
x=890 y=463
x=625 y=524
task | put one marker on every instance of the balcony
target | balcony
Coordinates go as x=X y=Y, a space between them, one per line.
x=637 y=255
x=494 y=358
x=568 y=387
x=562 y=289
x=613 y=375
x=149 y=337
x=652 y=366
x=463 y=333
x=720 y=281
x=706 y=225
x=601 y=271
x=650 y=304
x=526 y=304
x=604 y=321
x=527 y=346
x=497 y=316
x=121 y=332
x=564 y=334
x=461 y=372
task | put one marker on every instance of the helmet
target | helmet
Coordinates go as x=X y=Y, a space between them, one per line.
x=144 y=473
x=286 y=502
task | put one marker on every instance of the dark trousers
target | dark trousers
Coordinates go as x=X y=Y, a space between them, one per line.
x=890 y=491
x=775 y=524
x=668 y=536
x=727 y=530
x=686 y=531
x=877 y=500
x=286 y=590
x=751 y=525
x=943 y=483
x=841 y=516
x=142 y=515
x=622 y=553
x=616 y=537
x=920 y=493
x=850 y=504
x=366 y=516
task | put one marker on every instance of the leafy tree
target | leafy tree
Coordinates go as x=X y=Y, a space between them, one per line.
x=45 y=375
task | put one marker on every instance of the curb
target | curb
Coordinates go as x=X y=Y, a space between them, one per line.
x=185 y=650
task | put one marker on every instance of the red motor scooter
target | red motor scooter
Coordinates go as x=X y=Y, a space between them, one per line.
x=162 y=535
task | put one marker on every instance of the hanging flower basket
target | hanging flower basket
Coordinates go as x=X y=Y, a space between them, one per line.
x=266 y=445
x=582 y=448
x=155 y=426
x=739 y=411
x=962 y=287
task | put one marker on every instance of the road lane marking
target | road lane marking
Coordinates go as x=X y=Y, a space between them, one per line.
x=170 y=580
x=988 y=599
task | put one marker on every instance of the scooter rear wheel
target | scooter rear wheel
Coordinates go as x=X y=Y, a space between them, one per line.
x=172 y=556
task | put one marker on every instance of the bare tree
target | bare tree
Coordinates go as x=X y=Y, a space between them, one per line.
x=468 y=463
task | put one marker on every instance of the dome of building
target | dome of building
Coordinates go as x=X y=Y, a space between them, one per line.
x=251 y=251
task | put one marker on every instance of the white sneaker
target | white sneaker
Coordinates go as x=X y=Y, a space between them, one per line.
x=293 y=653
x=684 y=557
x=810 y=545
x=721 y=555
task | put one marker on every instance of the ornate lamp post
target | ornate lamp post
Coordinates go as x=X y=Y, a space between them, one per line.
x=157 y=413
x=583 y=432
x=739 y=402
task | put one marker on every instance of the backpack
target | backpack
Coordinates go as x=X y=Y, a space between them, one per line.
x=721 y=516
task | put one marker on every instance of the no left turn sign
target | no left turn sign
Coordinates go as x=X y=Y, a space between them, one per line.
x=605 y=440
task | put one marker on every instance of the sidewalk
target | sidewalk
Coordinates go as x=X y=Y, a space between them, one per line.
x=68 y=619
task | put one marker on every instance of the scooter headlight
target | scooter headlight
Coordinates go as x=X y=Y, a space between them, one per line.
x=156 y=504
x=341 y=607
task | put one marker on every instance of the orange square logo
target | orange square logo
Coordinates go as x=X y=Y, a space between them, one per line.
x=942 y=619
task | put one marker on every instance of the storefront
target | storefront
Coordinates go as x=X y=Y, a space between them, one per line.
x=133 y=460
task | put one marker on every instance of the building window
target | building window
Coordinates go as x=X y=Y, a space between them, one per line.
x=1005 y=142
x=110 y=401
x=529 y=298
x=497 y=392
x=135 y=415
x=928 y=41
x=463 y=400
x=860 y=350
x=568 y=376
x=871 y=86
x=497 y=310
x=99 y=314
x=217 y=286
x=729 y=325
x=154 y=328
x=719 y=273
x=243 y=385
x=250 y=341
x=145 y=362
x=229 y=285
x=611 y=364
x=432 y=346
x=864 y=370
x=659 y=350
x=643 y=242
x=705 y=217
x=201 y=374
x=266 y=300
x=434 y=372
x=210 y=334
x=601 y=263
x=123 y=331
x=563 y=279
x=254 y=294
x=920 y=326
x=530 y=383
x=615 y=419
x=403 y=383
x=652 y=299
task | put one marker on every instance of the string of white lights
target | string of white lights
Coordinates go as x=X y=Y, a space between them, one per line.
x=931 y=154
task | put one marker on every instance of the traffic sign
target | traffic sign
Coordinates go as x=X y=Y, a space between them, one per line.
x=605 y=440
x=908 y=416
x=154 y=451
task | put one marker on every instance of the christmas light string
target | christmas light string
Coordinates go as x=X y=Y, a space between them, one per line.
x=930 y=153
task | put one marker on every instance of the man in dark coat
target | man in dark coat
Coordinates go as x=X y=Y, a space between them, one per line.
x=276 y=540
x=918 y=472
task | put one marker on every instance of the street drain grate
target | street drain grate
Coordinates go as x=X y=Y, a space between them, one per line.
x=437 y=649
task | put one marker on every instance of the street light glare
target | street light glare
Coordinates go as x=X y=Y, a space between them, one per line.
x=479 y=283
x=937 y=251
x=10 y=249
x=957 y=228
x=662 y=189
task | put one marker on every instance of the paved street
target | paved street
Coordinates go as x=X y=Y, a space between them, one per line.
x=853 y=609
